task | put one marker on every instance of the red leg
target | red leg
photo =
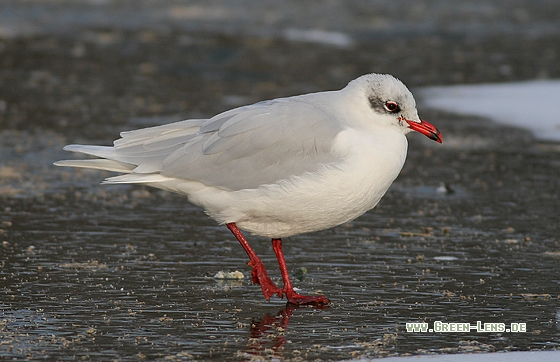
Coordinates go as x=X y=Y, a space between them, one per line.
x=291 y=295
x=259 y=273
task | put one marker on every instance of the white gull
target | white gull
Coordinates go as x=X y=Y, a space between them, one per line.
x=276 y=168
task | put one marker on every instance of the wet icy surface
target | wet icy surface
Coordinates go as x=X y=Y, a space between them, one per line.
x=122 y=272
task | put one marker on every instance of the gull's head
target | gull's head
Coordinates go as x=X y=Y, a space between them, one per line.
x=392 y=104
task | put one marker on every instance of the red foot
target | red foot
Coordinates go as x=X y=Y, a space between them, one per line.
x=291 y=295
x=298 y=299
x=261 y=277
x=259 y=274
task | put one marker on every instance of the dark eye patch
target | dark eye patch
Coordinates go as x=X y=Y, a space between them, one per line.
x=377 y=104
x=382 y=106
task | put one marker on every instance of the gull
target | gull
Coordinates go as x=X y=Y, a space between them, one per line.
x=276 y=168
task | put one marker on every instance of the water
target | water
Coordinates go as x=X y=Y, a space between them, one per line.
x=122 y=272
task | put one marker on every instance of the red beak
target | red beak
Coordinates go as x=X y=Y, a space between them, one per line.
x=426 y=129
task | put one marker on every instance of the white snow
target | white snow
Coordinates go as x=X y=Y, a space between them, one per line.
x=529 y=356
x=333 y=38
x=533 y=105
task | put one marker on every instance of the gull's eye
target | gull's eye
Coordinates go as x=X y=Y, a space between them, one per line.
x=392 y=107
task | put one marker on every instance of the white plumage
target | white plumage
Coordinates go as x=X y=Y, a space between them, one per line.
x=280 y=167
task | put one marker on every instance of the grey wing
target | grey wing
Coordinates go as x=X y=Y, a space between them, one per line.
x=238 y=149
x=143 y=148
x=140 y=151
x=258 y=144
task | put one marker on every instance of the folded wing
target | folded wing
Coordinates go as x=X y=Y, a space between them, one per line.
x=238 y=149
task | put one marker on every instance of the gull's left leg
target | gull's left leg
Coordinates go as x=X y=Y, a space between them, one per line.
x=291 y=295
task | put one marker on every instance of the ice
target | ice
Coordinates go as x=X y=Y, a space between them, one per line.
x=333 y=38
x=527 y=356
x=533 y=105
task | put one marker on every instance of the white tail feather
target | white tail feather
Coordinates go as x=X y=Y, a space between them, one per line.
x=134 y=178
x=98 y=164
x=99 y=151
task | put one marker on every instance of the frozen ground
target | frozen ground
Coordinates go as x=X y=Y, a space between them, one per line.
x=483 y=357
x=533 y=105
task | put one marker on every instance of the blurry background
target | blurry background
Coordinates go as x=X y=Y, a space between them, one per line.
x=201 y=57
x=126 y=272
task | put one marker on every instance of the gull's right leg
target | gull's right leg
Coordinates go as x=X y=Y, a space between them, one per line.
x=260 y=276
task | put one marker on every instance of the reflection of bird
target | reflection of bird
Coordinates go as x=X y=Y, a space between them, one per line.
x=268 y=333
x=277 y=168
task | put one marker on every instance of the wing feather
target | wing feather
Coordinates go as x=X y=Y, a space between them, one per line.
x=237 y=149
x=257 y=144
